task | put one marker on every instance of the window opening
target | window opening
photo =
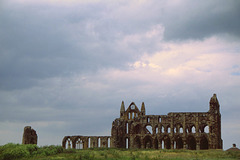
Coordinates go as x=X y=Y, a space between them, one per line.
x=181 y=130
x=126 y=143
x=109 y=143
x=149 y=129
x=89 y=142
x=193 y=129
x=156 y=130
x=206 y=129
x=99 y=142
x=68 y=143
x=168 y=130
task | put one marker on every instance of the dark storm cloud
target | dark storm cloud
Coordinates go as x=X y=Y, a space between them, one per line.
x=41 y=40
x=197 y=20
x=39 y=43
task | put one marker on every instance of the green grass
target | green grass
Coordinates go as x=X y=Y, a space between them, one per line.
x=33 y=152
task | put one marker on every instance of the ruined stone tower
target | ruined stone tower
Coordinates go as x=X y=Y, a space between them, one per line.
x=29 y=136
x=176 y=130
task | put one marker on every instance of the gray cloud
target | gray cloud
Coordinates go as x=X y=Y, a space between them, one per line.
x=47 y=41
x=198 y=20
x=39 y=42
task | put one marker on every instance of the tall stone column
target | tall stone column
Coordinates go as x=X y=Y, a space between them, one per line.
x=172 y=144
x=160 y=144
x=198 y=146
x=184 y=144
x=142 y=143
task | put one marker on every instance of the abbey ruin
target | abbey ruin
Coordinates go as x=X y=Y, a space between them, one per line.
x=176 y=130
x=29 y=136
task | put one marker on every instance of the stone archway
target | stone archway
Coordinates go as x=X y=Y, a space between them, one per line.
x=156 y=143
x=191 y=142
x=137 y=143
x=167 y=142
x=179 y=143
x=69 y=143
x=203 y=143
x=79 y=143
x=148 y=142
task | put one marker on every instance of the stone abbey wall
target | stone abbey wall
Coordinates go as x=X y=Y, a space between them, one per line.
x=176 y=130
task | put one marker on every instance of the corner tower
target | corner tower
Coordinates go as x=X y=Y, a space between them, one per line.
x=143 y=110
x=122 y=110
x=215 y=140
x=214 y=105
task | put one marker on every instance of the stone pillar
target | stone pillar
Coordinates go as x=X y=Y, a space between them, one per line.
x=198 y=146
x=74 y=144
x=84 y=144
x=184 y=126
x=184 y=144
x=153 y=130
x=142 y=143
x=130 y=142
x=171 y=126
x=69 y=144
x=160 y=144
x=197 y=125
x=172 y=144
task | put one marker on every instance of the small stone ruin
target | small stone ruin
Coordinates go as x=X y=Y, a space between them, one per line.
x=29 y=136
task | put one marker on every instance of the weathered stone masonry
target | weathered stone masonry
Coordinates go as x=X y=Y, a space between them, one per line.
x=84 y=142
x=176 y=130
x=29 y=136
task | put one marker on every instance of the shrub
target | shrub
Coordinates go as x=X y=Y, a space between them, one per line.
x=16 y=151
x=49 y=150
x=32 y=148
x=11 y=152
x=70 y=150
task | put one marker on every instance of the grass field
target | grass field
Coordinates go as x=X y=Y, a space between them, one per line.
x=33 y=152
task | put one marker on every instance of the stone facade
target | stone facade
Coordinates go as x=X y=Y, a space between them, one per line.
x=176 y=130
x=29 y=136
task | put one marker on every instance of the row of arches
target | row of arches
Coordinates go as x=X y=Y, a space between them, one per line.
x=166 y=143
x=132 y=115
x=148 y=129
x=86 y=142
x=164 y=118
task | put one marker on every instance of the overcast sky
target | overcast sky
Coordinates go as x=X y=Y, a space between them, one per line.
x=66 y=65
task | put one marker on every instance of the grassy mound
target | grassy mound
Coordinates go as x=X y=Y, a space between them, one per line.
x=33 y=152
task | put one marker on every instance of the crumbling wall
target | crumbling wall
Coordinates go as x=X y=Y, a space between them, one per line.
x=29 y=136
x=84 y=142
